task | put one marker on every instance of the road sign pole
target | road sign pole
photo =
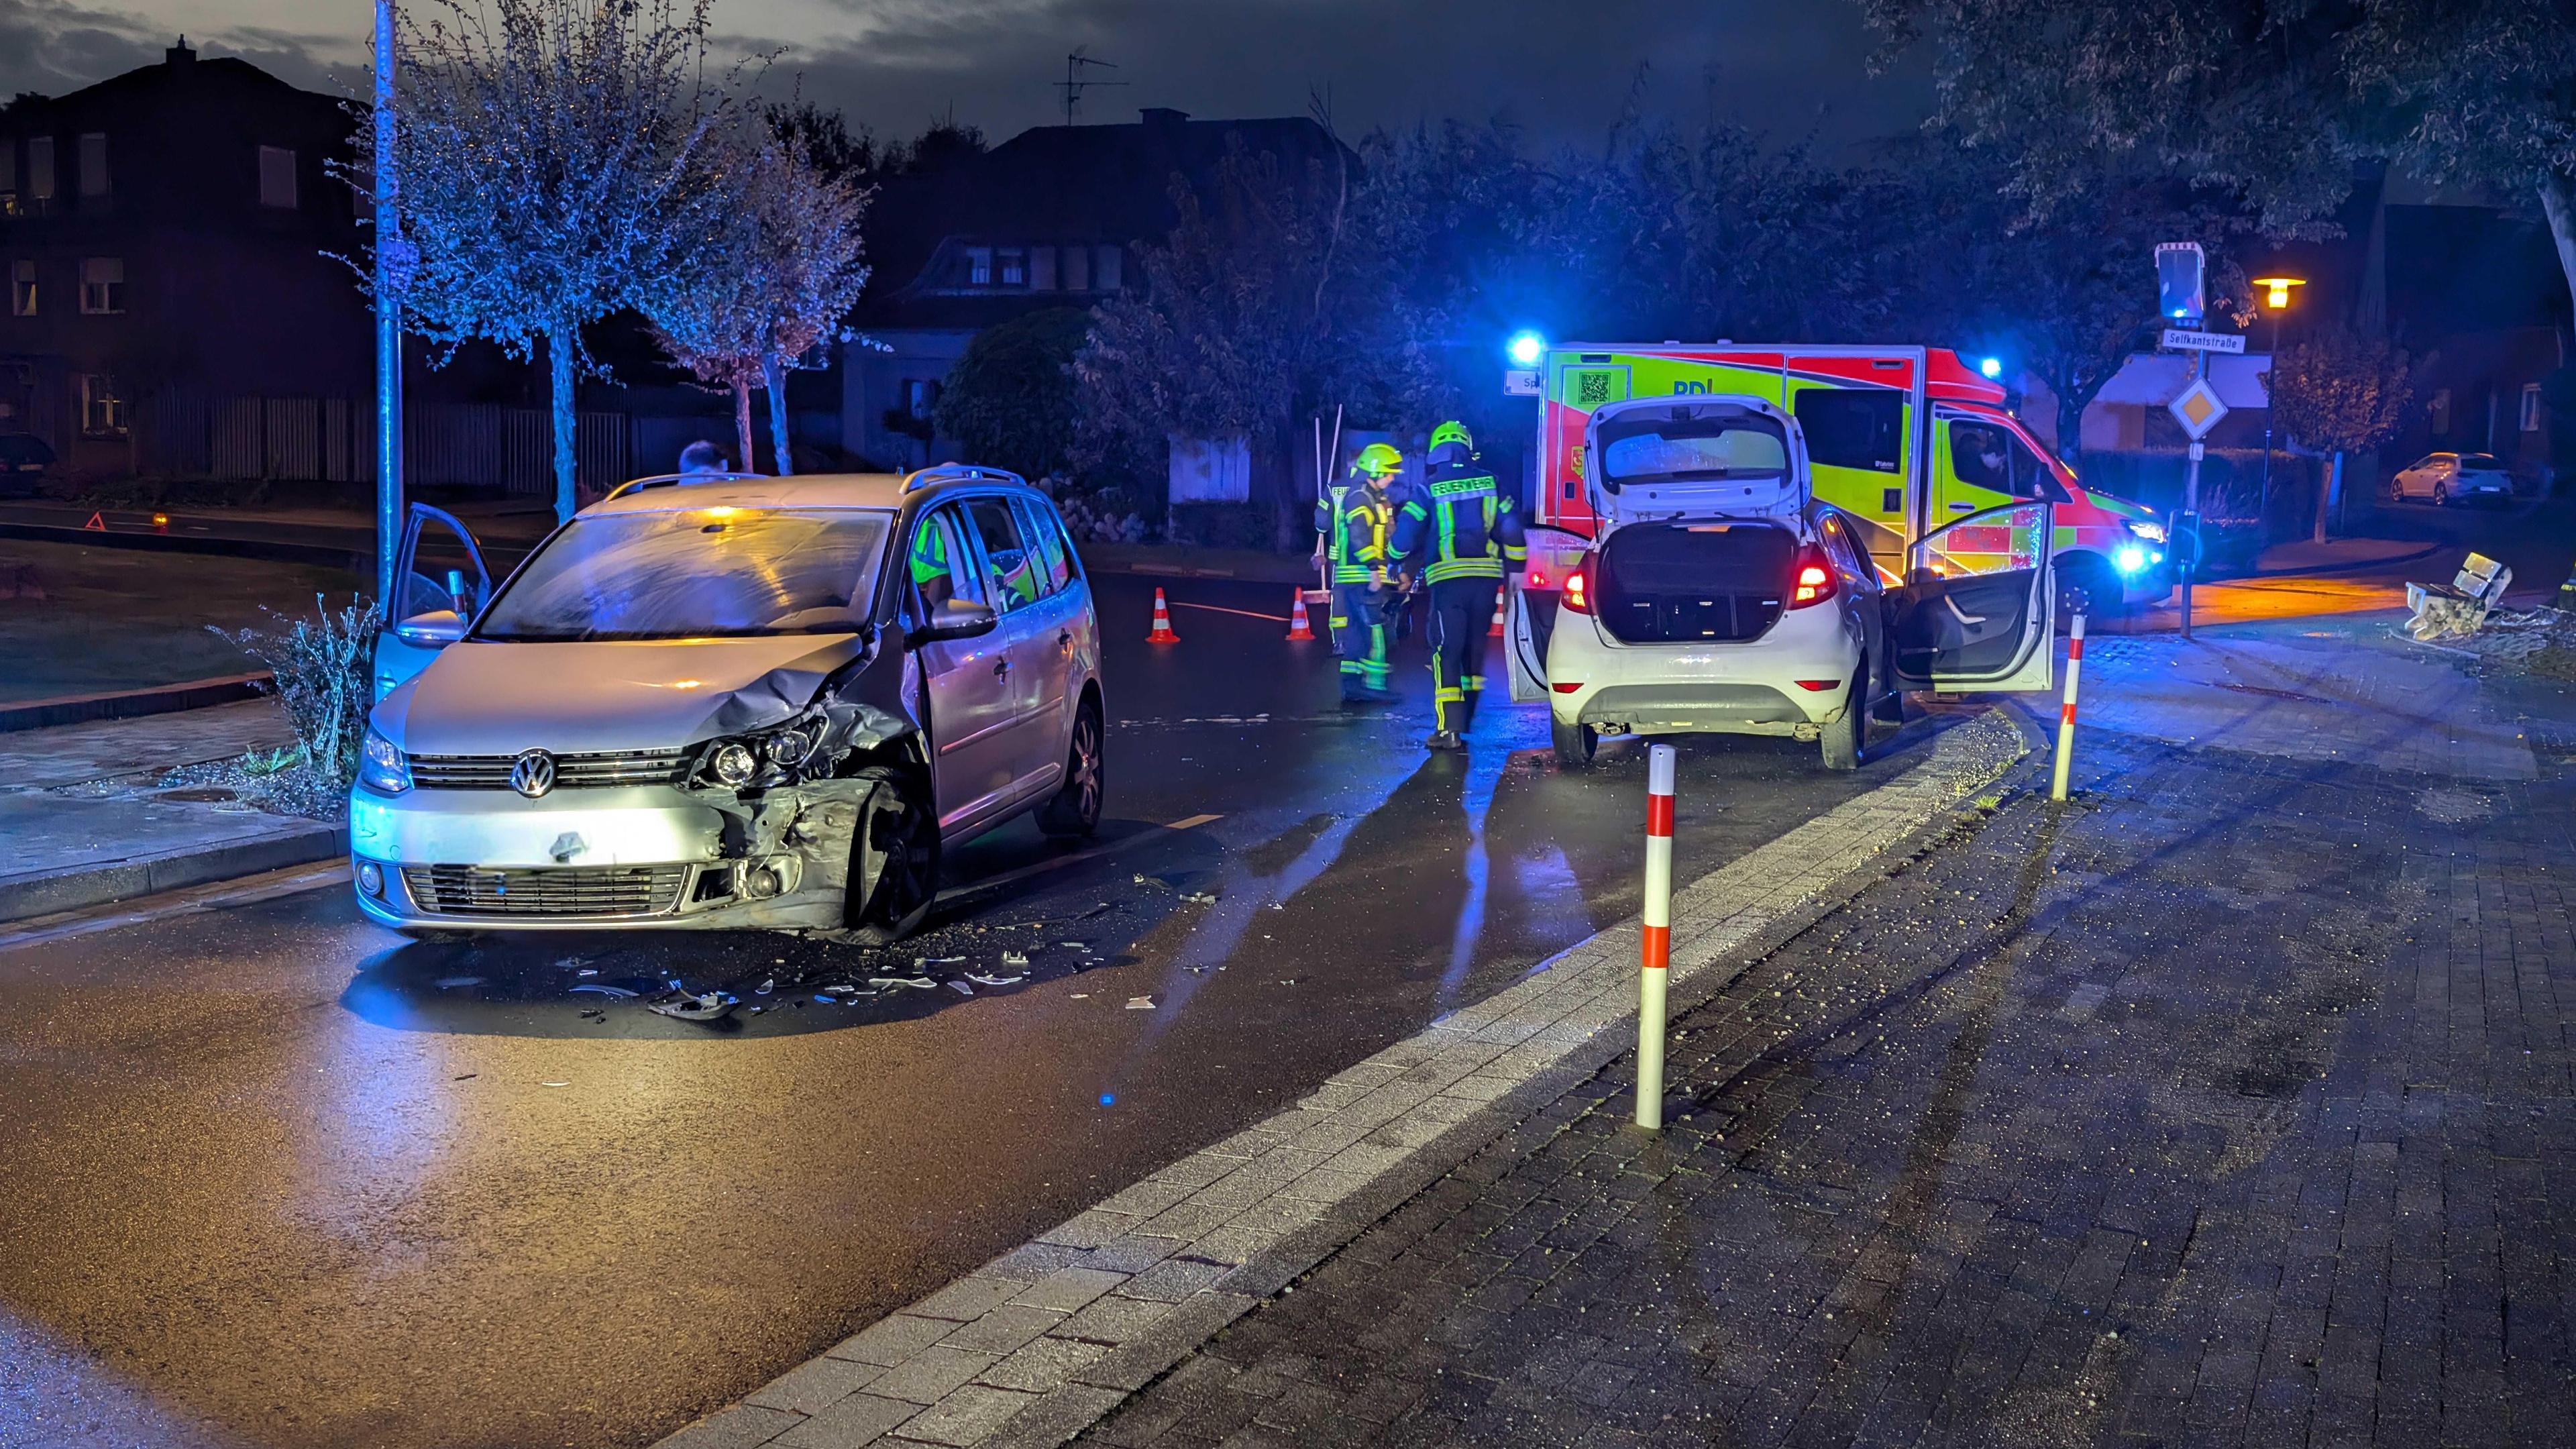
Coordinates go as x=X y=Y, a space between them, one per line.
x=2191 y=507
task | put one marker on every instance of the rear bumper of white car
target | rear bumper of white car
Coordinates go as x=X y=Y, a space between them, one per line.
x=1758 y=687
x=643 y=856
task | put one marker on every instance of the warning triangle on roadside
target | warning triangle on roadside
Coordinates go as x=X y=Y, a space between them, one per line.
x=96 y=524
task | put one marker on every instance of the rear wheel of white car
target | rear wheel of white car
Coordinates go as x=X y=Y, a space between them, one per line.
x=1842 y=740
x=894 y=858
x=1075 y=810
x=1575 y=744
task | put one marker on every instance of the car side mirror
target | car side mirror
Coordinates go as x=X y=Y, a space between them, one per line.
x=434 y=630
x=956 y=619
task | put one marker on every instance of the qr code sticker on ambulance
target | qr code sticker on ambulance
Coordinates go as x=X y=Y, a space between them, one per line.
x=1591 y=389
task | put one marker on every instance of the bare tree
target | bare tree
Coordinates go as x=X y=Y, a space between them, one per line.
x=549 y=151
x=776 y=268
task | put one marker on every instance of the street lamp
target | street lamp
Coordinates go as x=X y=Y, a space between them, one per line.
x=2276 y=296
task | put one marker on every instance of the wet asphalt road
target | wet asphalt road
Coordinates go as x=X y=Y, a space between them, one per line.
x=269 y=1175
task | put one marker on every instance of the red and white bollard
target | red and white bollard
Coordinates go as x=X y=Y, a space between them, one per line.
x=2066 y=710
x=1656 y=951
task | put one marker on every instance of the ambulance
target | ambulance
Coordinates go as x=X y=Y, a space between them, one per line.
x=1901 y=439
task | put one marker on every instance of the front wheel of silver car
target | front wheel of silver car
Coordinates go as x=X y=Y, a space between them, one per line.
x=1842 y=740
x=894 y=859
x=1074 y=812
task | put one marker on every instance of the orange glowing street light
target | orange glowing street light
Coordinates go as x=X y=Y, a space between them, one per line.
x=2276 y=295
x=2277 y=290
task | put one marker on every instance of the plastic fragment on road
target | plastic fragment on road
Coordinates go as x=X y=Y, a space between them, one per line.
x=1199 y=898
x=595 y=989
x=696 y=1006
x=765 y=987
x=1075 y=945
x=450 y=983
x=1140 y=1003
x=888 y=983
x=587 y=971
x=2455 y=610
x=961 y=988
x=1015 y=958
x=918 y=962
x=554 y=1084
x=1082 y=996
x=982 y=980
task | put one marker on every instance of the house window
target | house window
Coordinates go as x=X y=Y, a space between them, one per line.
x=93 y=163
x=2437 y=414
x=22 y=288
x=102 y=406
x=40 y=170
x=1077 y=269
x=8 y=176
x=921 y=397
x=102 y=285
x=1015 y=267
x=1104 y=276
x=277 y=177
x=2531 y=407
x=1041 y=269
x=979 y=266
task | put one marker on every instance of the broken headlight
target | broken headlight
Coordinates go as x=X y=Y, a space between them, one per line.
x=772 y=757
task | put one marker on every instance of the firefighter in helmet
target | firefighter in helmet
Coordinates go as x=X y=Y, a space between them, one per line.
x=1355 y=518
x=1461 y=534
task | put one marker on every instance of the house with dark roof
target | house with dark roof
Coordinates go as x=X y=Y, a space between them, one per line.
x=162 y=233
x=1050 y=218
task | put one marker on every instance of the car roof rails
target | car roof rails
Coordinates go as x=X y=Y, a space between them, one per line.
x=959 y=473
x=670 y=480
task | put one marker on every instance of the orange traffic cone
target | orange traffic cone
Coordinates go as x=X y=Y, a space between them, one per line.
x=1501 y=601
x=1297 y=626
x=1162 y=622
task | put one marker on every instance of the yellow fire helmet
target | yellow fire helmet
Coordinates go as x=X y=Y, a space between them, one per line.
x=1378 y=460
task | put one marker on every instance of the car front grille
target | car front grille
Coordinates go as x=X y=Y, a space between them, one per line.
x=572 y=772
x=464 y=890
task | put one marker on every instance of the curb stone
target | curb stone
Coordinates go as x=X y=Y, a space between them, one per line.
x=1043 y=1341
x=74 y=887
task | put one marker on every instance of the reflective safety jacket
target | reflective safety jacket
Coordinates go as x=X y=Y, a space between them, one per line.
x=1463 y=525
x=1357 y=538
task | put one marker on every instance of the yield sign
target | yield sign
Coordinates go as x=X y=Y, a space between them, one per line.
x=2197 y=409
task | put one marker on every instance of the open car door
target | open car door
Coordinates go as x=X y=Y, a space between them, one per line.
x=1977 y=610
x=1530 y=599
x=440 y=584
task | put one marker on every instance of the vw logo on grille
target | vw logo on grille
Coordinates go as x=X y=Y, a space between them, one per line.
x=533 y=773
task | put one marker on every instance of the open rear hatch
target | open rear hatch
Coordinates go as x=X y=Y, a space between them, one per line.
x=1694 y=583
x=1727 y=456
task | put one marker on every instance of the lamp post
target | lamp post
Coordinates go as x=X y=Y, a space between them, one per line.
x=393 y=272
x=2276 y=296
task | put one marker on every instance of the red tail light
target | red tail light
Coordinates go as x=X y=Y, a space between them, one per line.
x=1578 y=587
x=1811 y=578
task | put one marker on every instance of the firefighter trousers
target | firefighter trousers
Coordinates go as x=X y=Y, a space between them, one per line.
x=1360 y=634
x=1462 y=614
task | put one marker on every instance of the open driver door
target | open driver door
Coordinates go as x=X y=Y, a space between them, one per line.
x=1976 y=611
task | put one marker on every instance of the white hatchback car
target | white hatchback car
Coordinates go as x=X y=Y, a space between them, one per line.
x=1719 y=597
x=729 y=701
x=2443 y=478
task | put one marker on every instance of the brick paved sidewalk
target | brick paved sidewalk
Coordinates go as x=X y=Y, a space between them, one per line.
x=2229 y=1105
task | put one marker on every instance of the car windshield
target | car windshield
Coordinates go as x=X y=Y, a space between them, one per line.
x=696 y=573
x=1692 y=447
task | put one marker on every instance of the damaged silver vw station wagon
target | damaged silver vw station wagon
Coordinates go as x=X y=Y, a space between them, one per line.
x=726 y=702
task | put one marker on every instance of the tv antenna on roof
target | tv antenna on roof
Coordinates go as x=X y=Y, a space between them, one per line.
x=1073 y=84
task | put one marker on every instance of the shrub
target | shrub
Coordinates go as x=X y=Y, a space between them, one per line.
x=323 y=679
x=1009 y=401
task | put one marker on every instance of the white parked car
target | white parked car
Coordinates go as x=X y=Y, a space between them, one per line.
x=1720 y=597
x=2451 y=477
x=729 y=701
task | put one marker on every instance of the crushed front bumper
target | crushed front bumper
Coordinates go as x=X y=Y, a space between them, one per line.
x=652 y=856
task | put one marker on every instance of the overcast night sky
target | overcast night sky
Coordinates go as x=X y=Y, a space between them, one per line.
x=1562 y=68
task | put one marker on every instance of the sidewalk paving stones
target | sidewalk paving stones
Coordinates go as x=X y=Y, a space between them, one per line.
x=2229 y=1104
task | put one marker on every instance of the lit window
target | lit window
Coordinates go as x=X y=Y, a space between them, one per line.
x=93 y=163
x=102 y=407
x=40 y=169
x=102 y=285
x=1104 y=277
x=22 y=288
x=277 y=177
x=979 y=266
x=1015 y=267
x=2531 y=407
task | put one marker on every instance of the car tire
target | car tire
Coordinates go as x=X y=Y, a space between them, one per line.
x=1073 y=813
x=1575 y=744
x=894 y=858
x=2441 y=495
x=1842 y=741
x=2086 y=585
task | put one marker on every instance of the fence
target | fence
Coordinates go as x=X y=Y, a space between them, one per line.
x=332 y=439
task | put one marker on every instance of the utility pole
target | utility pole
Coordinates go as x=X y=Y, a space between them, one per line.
x=1073 y=84
x=393 y=272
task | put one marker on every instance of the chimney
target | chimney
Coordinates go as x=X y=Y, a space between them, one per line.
x=179 y=57
x=1164 y=118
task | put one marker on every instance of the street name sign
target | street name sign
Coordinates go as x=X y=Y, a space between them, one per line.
x=2197 y=408
x=2179 y=340
x=1520 y=382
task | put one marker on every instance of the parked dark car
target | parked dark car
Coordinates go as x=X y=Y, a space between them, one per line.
x=24 y=461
